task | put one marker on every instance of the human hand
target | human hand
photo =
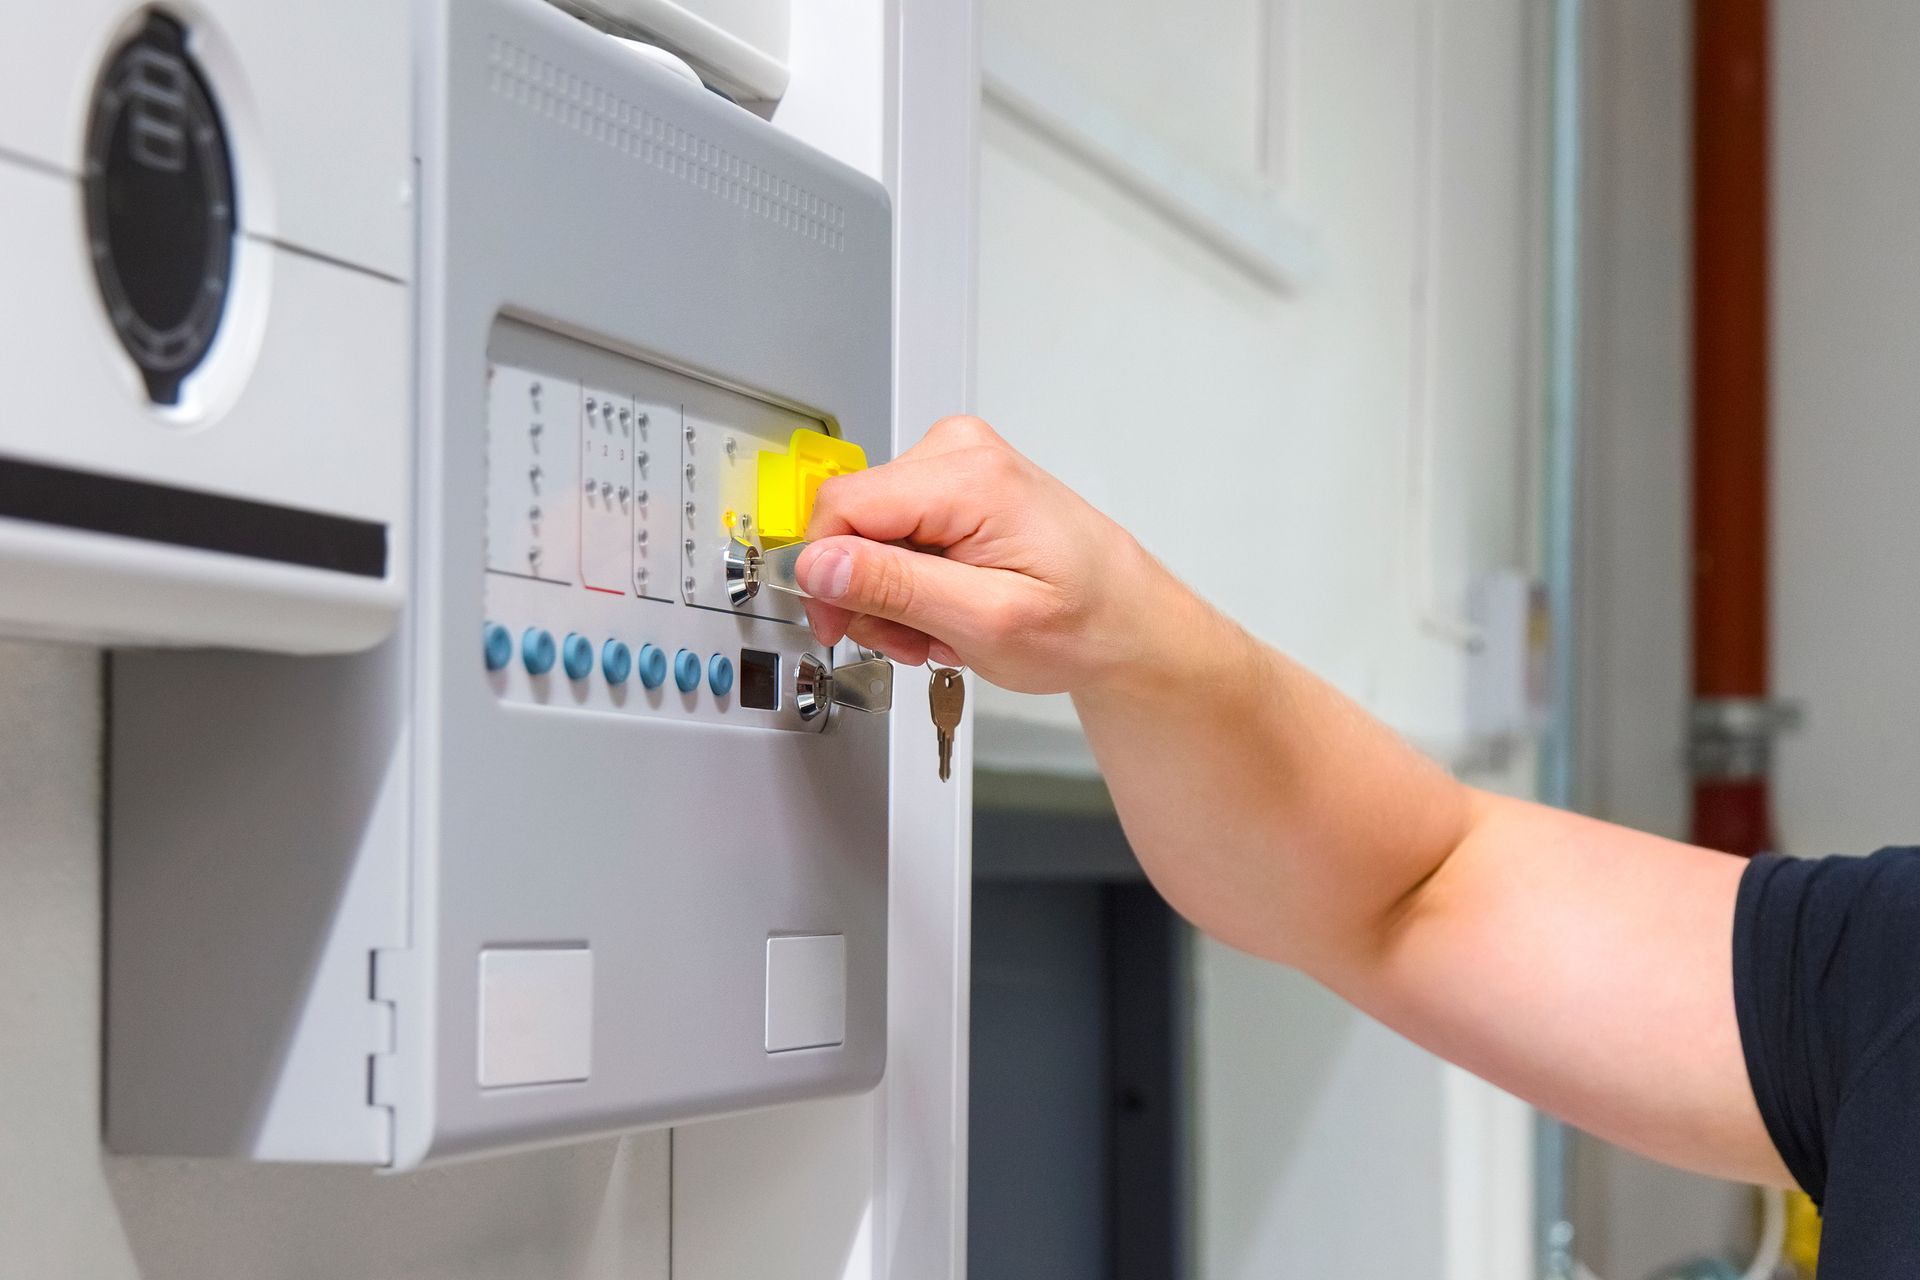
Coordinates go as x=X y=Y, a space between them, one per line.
x=963 y=552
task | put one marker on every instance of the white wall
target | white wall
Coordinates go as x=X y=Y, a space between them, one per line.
x=1222 y=418
x=1265 y=441
x=1847 y=421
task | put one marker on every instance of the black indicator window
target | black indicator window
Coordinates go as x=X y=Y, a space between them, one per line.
x=759 y=680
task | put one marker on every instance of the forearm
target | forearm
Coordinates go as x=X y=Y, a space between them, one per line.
x=1583 y=966
x=1269 y=808
x=1536 y=948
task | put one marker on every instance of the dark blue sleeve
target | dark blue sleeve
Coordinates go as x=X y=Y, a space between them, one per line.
x=1826 y=981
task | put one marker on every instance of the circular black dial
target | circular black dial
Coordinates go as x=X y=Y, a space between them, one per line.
x=159 y=205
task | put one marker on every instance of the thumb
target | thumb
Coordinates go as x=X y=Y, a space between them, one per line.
x=945 y=599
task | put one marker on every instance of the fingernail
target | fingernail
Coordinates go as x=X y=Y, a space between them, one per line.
x=830 y=574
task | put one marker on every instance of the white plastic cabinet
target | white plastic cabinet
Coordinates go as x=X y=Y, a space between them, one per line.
x=206 y=340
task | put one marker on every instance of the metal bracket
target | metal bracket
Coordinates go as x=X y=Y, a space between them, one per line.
x=1731 y=739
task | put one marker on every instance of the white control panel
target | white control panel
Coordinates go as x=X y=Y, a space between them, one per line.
x=614 y=489
x=205 y=330
x=581 y=847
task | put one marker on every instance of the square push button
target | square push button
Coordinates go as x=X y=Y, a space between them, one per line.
x=806 y=992
x=536 y=1015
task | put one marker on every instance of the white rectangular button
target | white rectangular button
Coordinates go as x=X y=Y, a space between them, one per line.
x=536 y=1015
x=806 y=992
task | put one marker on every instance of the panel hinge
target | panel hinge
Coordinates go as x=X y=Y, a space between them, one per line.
x=385 y=970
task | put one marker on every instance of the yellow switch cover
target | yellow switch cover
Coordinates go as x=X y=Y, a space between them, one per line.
x=789 y=482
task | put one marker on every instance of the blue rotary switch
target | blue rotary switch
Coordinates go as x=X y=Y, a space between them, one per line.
x=537 y=650
x=616 y=661
x=577 y=654
x=653 y=666
x=686 y=670
x=497 y=643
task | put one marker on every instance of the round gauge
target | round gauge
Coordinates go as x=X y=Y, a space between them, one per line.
x=158 y=184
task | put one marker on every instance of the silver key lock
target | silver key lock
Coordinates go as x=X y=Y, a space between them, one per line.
x=748 y=569
x=866 y=685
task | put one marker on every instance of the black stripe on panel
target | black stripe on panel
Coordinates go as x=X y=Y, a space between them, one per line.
x=184 y=518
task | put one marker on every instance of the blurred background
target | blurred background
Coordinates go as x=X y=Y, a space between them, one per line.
x=1541 y=372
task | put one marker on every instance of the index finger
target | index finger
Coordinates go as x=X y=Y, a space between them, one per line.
x=927 y=500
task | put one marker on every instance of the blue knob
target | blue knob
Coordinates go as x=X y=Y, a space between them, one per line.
x=653 y=666
x=497 y=644
x=577 y=654
x=720 y=675
x=616 y=661
x=537 y=650
x=686 y=670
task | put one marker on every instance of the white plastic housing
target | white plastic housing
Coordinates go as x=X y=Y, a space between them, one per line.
x=299 y=418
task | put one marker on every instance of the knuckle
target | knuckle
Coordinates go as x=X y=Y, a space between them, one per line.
x=992 y=467
x=963 y=429
x=1005 y=468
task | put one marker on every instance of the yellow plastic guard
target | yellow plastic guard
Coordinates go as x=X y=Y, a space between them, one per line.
x=789 y=481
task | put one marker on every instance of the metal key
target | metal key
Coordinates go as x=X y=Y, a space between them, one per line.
x=948 y=696
x=748 y=569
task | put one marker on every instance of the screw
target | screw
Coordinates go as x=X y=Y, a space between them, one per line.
x=640 y=496
x=533 y=513
x=641 y=417
x=590 y=404
x=689 y=546
x=746 y=521
x=640 y=459
x=641 y=537
x=689 y=471
x=606 y=410
x=731 y=446
x=689 y=511
x=534 y=391
x=606 y=488
x=688 y=433
x=589 y=488
x=691 y=584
